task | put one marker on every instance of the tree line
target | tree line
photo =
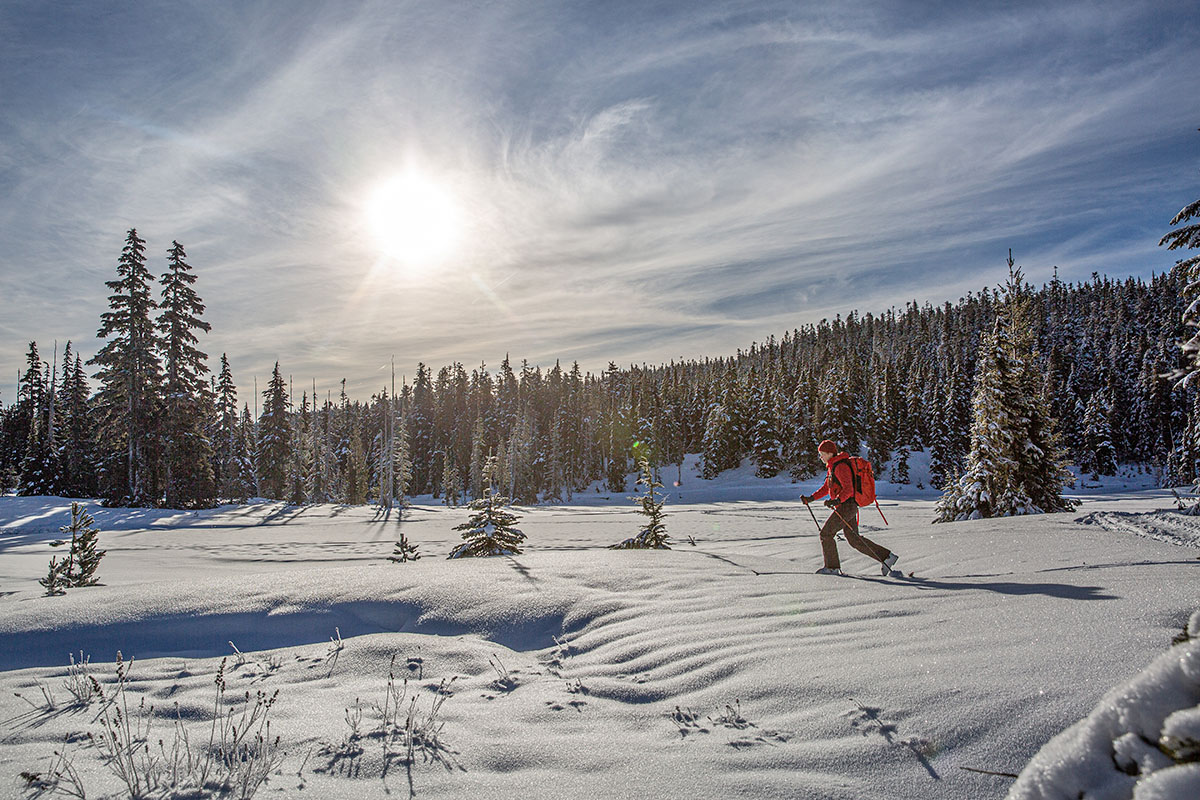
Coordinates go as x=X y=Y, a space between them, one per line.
x=159 y=429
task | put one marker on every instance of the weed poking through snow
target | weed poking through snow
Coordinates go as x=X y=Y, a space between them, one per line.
x=336 y=647
x=236 y=760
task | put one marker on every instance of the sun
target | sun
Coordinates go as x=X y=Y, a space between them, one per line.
x=415 y=220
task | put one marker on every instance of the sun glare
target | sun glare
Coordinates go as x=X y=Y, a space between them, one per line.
x=415 y=220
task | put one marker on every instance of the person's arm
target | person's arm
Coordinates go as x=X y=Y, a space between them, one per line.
x=824 y=490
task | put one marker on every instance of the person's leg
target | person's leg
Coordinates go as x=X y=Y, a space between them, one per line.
x=849 y=513
x=828 y=545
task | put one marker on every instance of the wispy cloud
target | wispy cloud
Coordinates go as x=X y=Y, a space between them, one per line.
x=642 y=183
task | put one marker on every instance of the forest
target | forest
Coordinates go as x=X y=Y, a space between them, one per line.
x=152 y=424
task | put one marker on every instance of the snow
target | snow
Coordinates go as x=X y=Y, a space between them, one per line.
x=720 y=669
x=1165 y=526
x=1129 y=745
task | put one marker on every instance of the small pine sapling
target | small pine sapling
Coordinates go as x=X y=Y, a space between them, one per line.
x=405 y=550
x=84 y=558
x=56 y=580
x=653 y=535
x=490 y=531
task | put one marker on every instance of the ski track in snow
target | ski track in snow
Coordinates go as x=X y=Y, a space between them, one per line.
x=1164 y=526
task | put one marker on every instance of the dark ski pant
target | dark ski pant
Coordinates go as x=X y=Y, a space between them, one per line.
x=845 y=518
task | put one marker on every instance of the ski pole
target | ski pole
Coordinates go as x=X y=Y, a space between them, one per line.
x=843 y=519
x=814 y=516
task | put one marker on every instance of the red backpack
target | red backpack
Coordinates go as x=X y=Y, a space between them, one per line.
x=864 y=483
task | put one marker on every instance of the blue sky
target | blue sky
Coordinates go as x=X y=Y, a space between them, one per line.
x=633 y=181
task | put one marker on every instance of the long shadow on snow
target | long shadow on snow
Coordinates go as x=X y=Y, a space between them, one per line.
x=1064 y=591
x=208 y=636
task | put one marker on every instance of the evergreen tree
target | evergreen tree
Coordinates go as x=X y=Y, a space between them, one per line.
x=229 y=457
x=1099 y=455
x=477 y=459
x=300 y=466
x=719 y=449
x=319 y=482
x=404 y=551
x=247 y=451
x=766 y=445
x=653 y=535
x=489 y=531
x=84 y=558
x=1040 y=459
x=421 y=431
x=1187 y=237
x=1014 y=466
x=356 y=477
x=129 y=375
x=56 y=580
x=33 y=409
x=402 y=472
x=187 y=450
x=899 y=473
x=75 y=455
x=274 y=439
x=988 y=488
x=451 y=483
x=79 y=566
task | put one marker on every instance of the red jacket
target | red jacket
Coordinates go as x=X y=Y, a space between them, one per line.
x=839 y=486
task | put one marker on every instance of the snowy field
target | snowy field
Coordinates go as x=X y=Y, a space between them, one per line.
x=723 y=668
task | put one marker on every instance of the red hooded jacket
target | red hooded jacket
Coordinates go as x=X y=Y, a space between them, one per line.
x=839 y=485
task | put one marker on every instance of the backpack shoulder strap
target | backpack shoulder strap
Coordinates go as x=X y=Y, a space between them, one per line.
x=833 y=465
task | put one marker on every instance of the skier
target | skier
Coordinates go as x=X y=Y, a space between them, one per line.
x=839 y=485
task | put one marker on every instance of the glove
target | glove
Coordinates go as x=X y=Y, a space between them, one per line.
x=806 y=498
x=831 y=503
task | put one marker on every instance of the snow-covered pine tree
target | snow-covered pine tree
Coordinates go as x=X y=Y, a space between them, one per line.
x=766 y=445
x=524 y=463
x=899 y=471
x=617 y=427
x=129 y=374
x=386 y=448
x=1013 y=450
x=274 y=439
x=881 y=436
x=1187 y=237
x=227 y=470
x=247 y=451
x=300 y=466
x=83 y=559
x=490 y=530
x=75 y=451
x=421 y=431
x=719 y=451
x=33 y=409
x=451 y=483
x=799 y=441
x=1098 y=454
x=187 y=450
x=1041 y=460
x=318 y=484
x=356 y=478
x=402 y=472
x=653 y=535
x=475 y=479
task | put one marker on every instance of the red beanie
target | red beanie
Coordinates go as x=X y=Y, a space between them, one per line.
x=828 y=447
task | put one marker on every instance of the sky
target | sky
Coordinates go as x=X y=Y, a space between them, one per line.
x=620 y=181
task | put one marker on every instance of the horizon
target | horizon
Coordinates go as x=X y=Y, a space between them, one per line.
x=626 y=184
